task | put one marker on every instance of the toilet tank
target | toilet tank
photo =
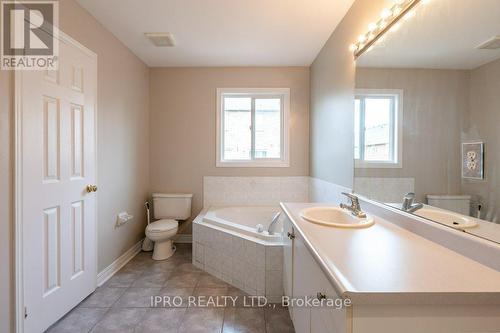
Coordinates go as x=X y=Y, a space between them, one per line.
x=172 y=206
x=456 y=203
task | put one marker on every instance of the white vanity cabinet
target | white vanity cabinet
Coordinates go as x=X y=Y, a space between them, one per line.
x=304 y=278
x=435 y=298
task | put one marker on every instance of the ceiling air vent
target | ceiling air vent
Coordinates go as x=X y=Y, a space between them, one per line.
x=161 y=39
x=490 y=44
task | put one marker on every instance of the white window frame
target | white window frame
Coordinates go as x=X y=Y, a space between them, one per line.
x=282 y=162
x=397 y=129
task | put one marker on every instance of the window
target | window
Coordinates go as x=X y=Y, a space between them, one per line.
x=378 y=128
x=252 y=127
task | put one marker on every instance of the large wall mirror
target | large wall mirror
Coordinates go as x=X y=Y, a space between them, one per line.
x=427 y=116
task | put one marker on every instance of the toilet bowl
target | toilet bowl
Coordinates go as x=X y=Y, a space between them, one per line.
x=161 y=233
x=168 y=210
x=456 y=203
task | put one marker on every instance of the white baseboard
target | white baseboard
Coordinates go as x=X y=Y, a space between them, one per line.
x=116 y=265
x=183 y=238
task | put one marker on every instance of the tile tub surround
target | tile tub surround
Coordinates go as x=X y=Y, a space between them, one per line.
x=254 y=191
x=323 y=191
x=384 y=189
x=118 y=306
x=244 y=263
x=270 y=191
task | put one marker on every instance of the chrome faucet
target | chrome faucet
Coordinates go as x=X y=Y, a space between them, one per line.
x=409 y=204
x=275 y=219
x=355 y=207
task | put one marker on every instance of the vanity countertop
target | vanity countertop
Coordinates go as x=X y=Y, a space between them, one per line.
x=386 y=264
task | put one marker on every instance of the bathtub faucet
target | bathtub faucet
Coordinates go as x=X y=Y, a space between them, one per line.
x=276 y=217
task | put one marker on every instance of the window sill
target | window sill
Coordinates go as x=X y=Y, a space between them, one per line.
x=377 y=165
x=252 y=164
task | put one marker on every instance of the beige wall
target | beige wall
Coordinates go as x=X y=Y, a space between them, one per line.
x=123 y=121
x=6 y=232
x=435 y=103
x=183 y=106
x=332 y=96
x=123 y=158
x=484 y=125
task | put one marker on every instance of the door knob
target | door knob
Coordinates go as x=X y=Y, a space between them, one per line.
x=91 y=188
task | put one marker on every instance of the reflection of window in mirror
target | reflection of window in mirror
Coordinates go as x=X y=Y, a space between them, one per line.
x=378 y=128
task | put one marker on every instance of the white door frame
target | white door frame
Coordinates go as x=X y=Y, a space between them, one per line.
x=18 y=181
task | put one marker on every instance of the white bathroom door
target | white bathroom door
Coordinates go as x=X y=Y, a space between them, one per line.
x=57 y=113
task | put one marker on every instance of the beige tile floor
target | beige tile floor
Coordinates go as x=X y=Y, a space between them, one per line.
x=123 y=304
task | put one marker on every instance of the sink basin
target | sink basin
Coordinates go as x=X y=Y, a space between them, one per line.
x=451 y=219
x=335 y=217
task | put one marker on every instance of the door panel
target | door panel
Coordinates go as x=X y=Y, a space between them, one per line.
x=51 y=254
x=51 y=136
x=77 y=225
x=77 y=139
x=58 y=162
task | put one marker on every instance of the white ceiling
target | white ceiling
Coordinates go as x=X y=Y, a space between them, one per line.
x=223 y=32
x=444 y=34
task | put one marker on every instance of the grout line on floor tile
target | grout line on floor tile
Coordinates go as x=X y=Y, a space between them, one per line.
x=97 y=322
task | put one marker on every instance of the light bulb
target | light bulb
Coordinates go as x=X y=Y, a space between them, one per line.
x=353 y=47
x=372 y=27
x=380 y=40
x=361 y=38
x=410 y=14
x=397 y=10
x=395 y=27
x=386 y=13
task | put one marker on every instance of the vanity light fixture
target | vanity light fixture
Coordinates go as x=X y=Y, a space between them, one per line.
x=491 y=44
x=389 y=21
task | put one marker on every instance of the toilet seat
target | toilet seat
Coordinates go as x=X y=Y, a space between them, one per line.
x=162 y=226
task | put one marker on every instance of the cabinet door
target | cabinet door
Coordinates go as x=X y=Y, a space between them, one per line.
x=309 y=280
x=301 y=287
x=326 y=319
x=287 y=257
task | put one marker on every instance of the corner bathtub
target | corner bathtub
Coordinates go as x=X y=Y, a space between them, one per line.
x=227 y=244
x=244 y=220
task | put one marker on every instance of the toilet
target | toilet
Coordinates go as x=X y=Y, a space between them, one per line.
x=168 y=210
x=455 y=203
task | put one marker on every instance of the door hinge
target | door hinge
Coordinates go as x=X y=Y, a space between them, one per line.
x=25 y=312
